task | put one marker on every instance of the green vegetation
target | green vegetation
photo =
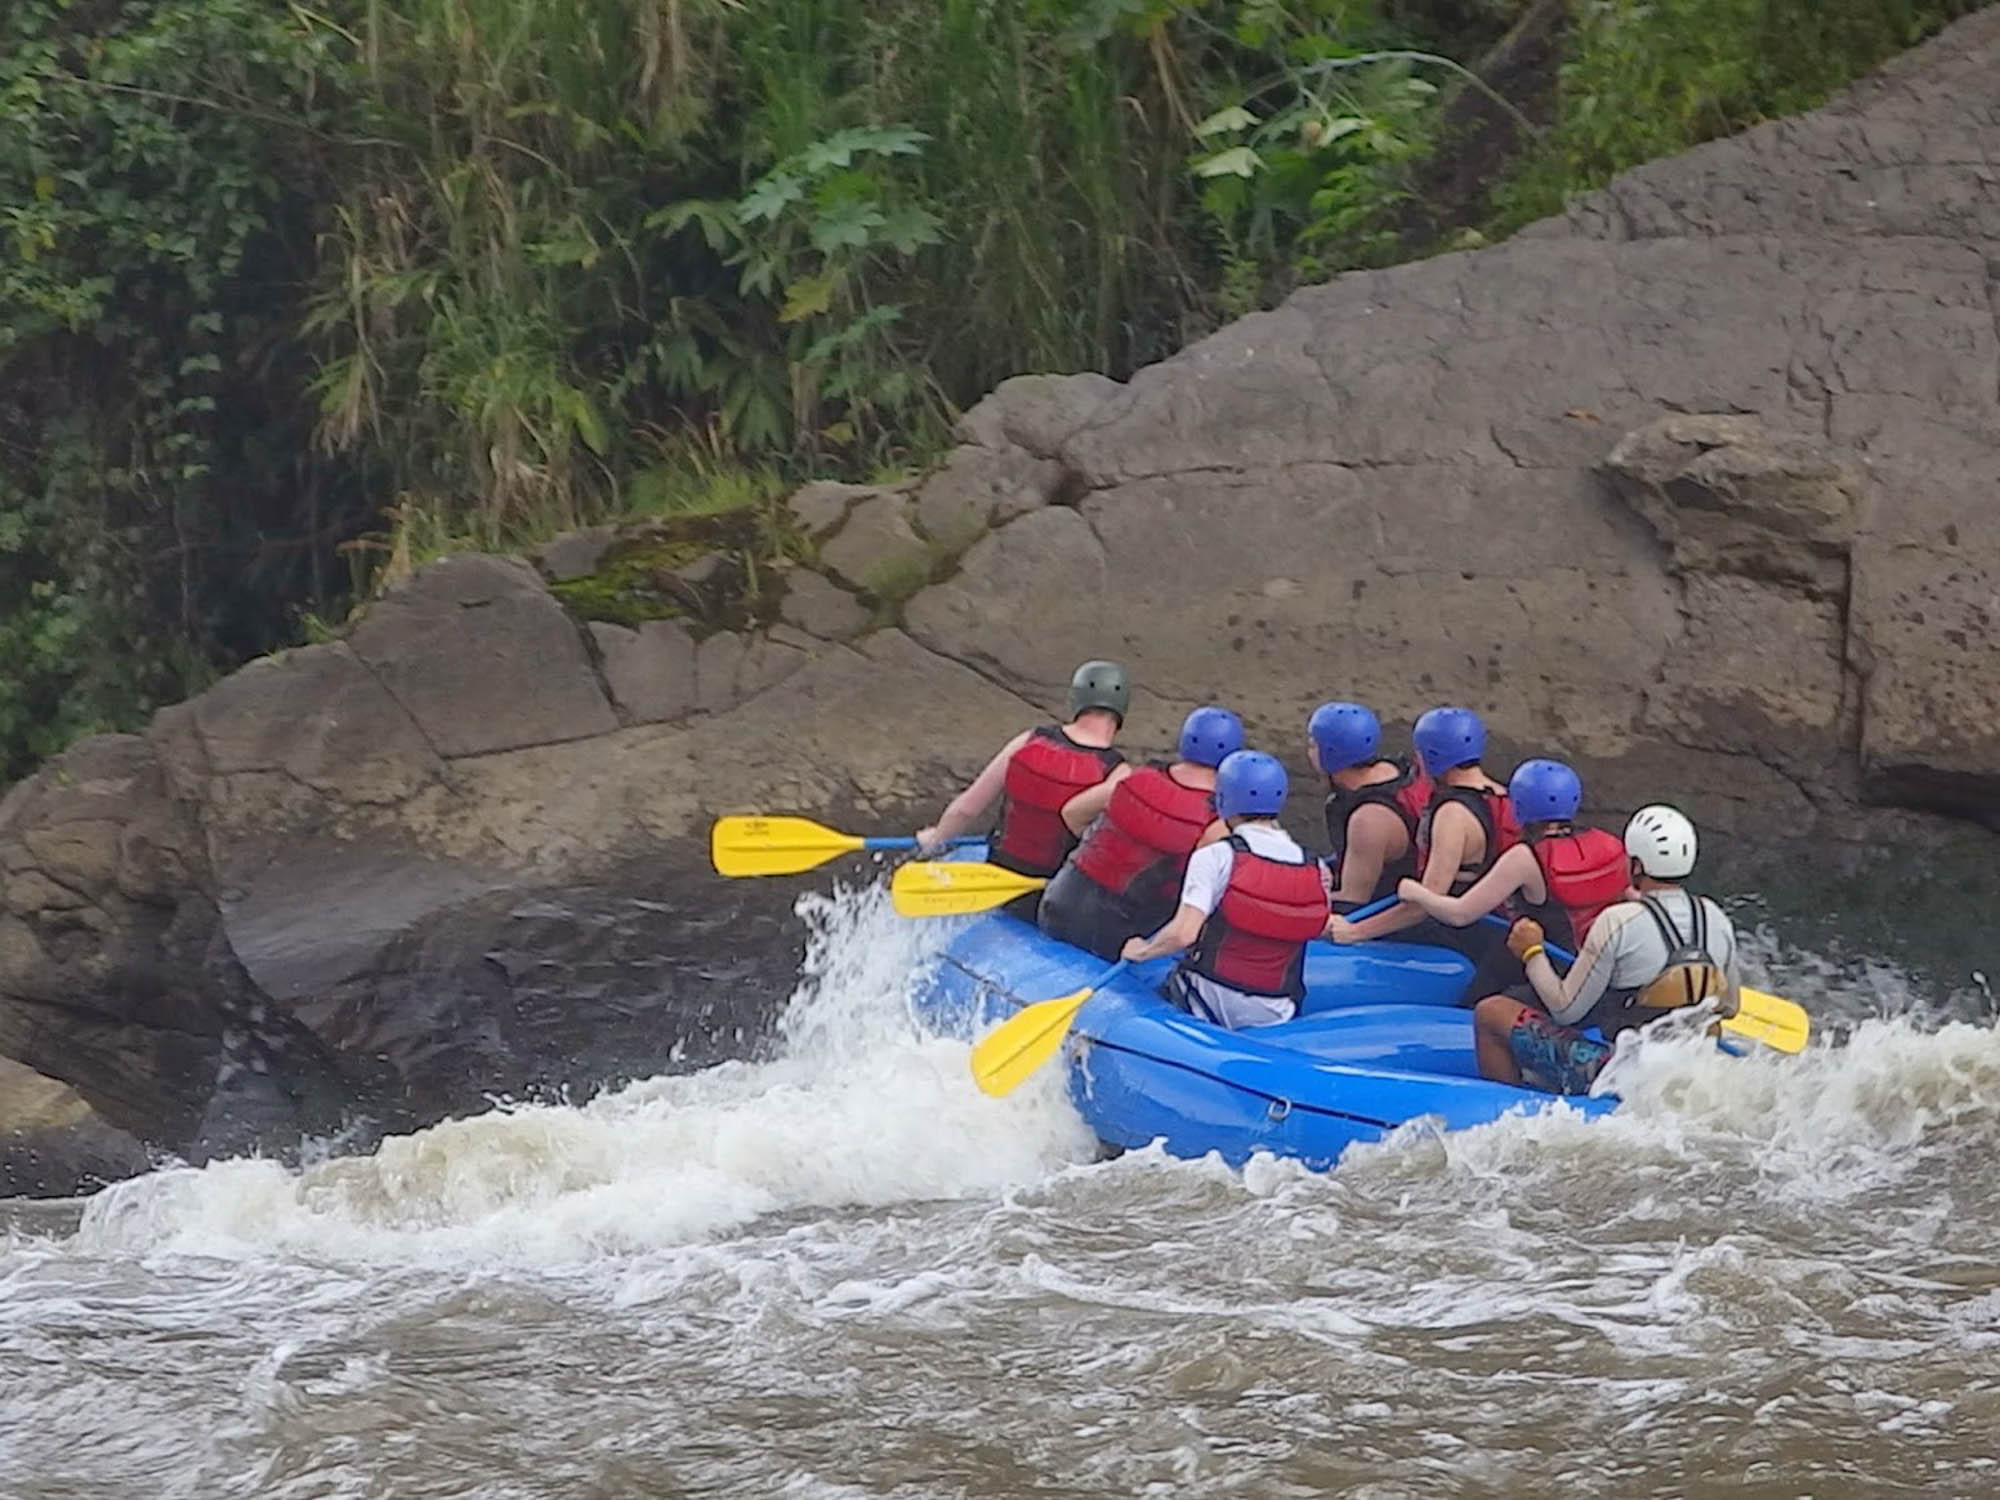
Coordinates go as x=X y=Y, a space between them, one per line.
x=1647 y=78
x=293 y=296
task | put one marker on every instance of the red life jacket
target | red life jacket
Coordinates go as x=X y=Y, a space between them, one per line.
x=1048 y=770
x=1407 y=795
x=1585 y=871
x=1140 y=847
x=1255 y=939
x=1495 y=811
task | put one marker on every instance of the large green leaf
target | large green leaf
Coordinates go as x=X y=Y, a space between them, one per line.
x=846 y=226
x=770 y=197
x=1237 y=161
x=1230 y=120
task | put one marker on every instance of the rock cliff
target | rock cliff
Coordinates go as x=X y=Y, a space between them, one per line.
x=1695 y=485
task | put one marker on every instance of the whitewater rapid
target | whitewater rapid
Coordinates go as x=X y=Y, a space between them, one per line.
x=841 y=1271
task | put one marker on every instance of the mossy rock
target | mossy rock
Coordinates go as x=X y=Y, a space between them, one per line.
x=649 y=573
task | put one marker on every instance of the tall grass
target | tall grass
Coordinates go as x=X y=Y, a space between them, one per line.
x=511 y=302
x=1647 y=78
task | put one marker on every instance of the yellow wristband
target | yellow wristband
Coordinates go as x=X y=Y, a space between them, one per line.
x=1533 y=953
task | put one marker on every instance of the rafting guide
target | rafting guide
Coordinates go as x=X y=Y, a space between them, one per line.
x=1656 y=954
x=1035 y=775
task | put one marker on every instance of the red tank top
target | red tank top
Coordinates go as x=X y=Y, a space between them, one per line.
x=1048 y=770
x=1149 y=828
x=1585 y=872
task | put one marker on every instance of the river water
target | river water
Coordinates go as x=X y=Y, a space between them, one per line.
x=841 y=1272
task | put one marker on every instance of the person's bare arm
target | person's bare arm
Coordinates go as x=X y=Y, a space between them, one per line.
x=1083 y=809
x=1516 y=870
x=1448 y=843
x=974 y=803
x=1182 y=930
x=1370 y=830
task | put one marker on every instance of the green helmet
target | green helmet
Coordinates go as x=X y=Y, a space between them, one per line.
x=1100 y=684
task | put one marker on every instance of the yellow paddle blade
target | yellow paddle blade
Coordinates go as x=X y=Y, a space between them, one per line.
x=1002 y=1062
x=953 y=889
x=1771 y=1020
x=775 y=846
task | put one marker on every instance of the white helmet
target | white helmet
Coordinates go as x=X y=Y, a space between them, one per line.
x=1662 y=840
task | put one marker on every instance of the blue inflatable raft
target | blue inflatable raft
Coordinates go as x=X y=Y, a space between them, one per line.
x=1380 y=1041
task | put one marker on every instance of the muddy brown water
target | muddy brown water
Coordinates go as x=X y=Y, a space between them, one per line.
x=838 y=1271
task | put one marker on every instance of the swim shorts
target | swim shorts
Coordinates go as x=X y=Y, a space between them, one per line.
x=1555 y=1059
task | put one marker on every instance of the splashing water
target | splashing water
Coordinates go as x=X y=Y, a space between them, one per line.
x=844 y=1272
x=859 y=1109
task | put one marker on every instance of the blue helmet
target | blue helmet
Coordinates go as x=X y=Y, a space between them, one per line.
x=1447 y=738
x=1544 y=791
x=1344 y=734
x=1250 y=784
x=1210 y=736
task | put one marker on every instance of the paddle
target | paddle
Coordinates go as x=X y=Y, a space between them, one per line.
x=961 y=888
x=789 y=846
x=952 y=888
x=1004 y=1058
x=1778 y=1023
x=1019 y=1045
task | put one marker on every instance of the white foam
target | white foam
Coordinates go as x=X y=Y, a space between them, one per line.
x=860 y=1109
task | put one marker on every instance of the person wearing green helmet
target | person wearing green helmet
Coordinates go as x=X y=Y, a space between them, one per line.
x=1034 y=775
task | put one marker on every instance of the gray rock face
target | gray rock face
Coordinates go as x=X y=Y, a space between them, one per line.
x=483 y=659
x=650 y=671
x=52 y=1144
x=1037 y=413
x=980 y=488
x=821 y=608
x=1728 y=497
x=820 y=507
x=1049 y=563
x=717 y=661
x=576 y=554
x=875 y=545
x=320 y=716
x=1694 y=486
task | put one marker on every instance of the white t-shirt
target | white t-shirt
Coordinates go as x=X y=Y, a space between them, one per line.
x=1202 y=887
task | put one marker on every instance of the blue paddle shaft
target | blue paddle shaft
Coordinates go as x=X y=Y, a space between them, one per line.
x=1560 y=955
x=1373 y=908
x=905 y=841
x=1109 y=974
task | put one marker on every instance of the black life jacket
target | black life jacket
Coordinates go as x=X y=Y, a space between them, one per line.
x=1139 y=849
x=1689 y=976
x=1407 y=795
x=1495 y=811
x=1048 y=770
x=1255 y=939
x=1585 y=871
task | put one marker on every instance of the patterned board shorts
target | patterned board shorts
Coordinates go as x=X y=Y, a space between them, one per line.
x=1556 y=1059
